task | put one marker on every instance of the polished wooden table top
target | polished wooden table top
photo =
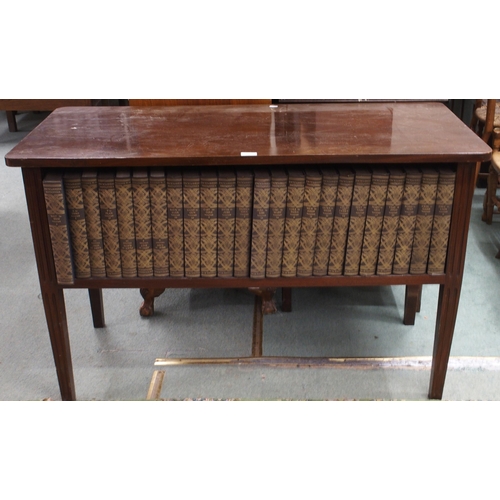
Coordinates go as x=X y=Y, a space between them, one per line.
x=249 y=135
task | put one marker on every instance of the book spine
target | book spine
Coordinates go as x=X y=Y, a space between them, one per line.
x=260 y=223
x=406 y=225
x=58 y=226
x=175 y=224
x=341 y=223
x=392 y=211
x=208 y=223
x=423 y=223
x=109 y=221
x=276 y=229
x=159 y=223
x=77 y=225
x=126 y=225
x=226 y=208
x=243 y=223
x=357 y=219
x=441 y=223
x=191 y=216
x=142 y=217
x=312 y=195
x=90 y=191
x=293 y=222
x=325 y=221
x=373 y=224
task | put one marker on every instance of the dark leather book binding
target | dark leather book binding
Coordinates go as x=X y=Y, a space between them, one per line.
x=374 y=220
x=423 y=223
x=77 y=225
x=390 y=223
x=243 y=223
x=293 y=222
x=90 y=193
x=159 y=222
x=341 y=222
x=326 y=216
x=142 y=216
x=441 y=223
x=407 y=219
x=208 y=223
x=191 y=208
x=226 y=208
x=126 y=223
x=55 y=203
x=276 y=229
x=260 y=223
x=109 y=222
x=175 y=223
x=308 y=229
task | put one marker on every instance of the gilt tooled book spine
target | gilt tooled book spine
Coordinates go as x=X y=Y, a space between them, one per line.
x=406 y=225
x=191 y=209
x=276 y=228
x=175 y=223
x=77 y=225
x=53 y=189
x=159 y=223
x=441 y=223
x=208 y=223
x=374 y=220
x=126 y=225
x=260 y=223
x=341 y=222
x=226 y=207
x=109 y=221
x=310 y=213
x=90 y=191
x=243 y=227
x=423 y=223
x=357 y=219
x=325 y=220
x=142 y=217
x=293 y=222
x=392 y=211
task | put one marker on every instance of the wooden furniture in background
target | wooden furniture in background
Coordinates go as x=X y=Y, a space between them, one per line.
x=408 y=135
x=485 y=118
x=491 y=199
x=12 y=106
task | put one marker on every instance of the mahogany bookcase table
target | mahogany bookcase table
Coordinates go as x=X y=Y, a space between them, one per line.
x=360 y=137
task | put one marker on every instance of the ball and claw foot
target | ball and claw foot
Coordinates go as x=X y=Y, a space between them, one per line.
x=147 y=308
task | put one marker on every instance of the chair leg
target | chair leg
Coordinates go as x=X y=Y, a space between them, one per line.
x=489 y=195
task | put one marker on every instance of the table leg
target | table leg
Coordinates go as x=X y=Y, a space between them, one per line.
x=55 y=314
x=413 y=297
x=286 y=299
x=149 y=295
x=268 y=300
x=257 y=327
x=449 y=293
x=96 y=306
x=52 y=294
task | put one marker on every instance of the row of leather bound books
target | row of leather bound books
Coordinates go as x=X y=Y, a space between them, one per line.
x=258 y=223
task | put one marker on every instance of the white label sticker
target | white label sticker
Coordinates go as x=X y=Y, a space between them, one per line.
x=243 y=153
